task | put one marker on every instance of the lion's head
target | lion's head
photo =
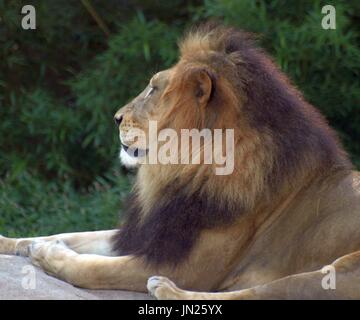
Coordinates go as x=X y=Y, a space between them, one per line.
x=202 y=91
x=222 y=81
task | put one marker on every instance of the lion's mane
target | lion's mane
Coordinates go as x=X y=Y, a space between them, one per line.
x=281 y=144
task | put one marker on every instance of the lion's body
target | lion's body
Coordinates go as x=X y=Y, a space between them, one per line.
x=290 y=206
x=317 y=226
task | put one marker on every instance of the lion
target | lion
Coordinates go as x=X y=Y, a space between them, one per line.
x=290 y=207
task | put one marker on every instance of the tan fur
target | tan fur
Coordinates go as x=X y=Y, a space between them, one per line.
x=290 y=228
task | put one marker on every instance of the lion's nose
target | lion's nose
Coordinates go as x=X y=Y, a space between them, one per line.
x=118 y=119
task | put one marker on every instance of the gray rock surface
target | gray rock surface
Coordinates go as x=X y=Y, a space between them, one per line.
x=19 y=279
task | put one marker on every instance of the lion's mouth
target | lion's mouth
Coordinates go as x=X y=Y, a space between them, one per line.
x=134 y=152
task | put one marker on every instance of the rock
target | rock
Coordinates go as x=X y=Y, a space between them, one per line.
x=19 y=279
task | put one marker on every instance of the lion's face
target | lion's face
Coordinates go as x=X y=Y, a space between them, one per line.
x=175 y=99
x=133 y=119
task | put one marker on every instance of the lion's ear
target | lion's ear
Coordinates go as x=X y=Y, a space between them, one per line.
x=202 y=82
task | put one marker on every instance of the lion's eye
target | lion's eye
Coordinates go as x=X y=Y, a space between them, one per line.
x=150 y=92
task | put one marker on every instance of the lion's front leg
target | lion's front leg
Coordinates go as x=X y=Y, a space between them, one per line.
x=94 y=242
x=89 y=270
x=100 y=272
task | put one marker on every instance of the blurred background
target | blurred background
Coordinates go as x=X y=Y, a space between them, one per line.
x=61 y=84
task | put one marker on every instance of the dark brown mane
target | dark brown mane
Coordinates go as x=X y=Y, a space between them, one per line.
x=282 y=142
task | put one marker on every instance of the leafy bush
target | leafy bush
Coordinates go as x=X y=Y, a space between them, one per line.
x=65 y=130
x=31 y=206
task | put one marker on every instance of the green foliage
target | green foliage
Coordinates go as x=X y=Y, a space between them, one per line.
x=139 y=44
x=61 y=84
x=31 y=206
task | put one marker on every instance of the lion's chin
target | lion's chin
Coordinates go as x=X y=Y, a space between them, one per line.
x=127 y=160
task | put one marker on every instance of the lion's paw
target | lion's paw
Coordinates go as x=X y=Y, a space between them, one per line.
x=39 y=249
x=49 y=255
x=163 y=289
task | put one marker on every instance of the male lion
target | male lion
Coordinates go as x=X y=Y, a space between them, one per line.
x=290 y=207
